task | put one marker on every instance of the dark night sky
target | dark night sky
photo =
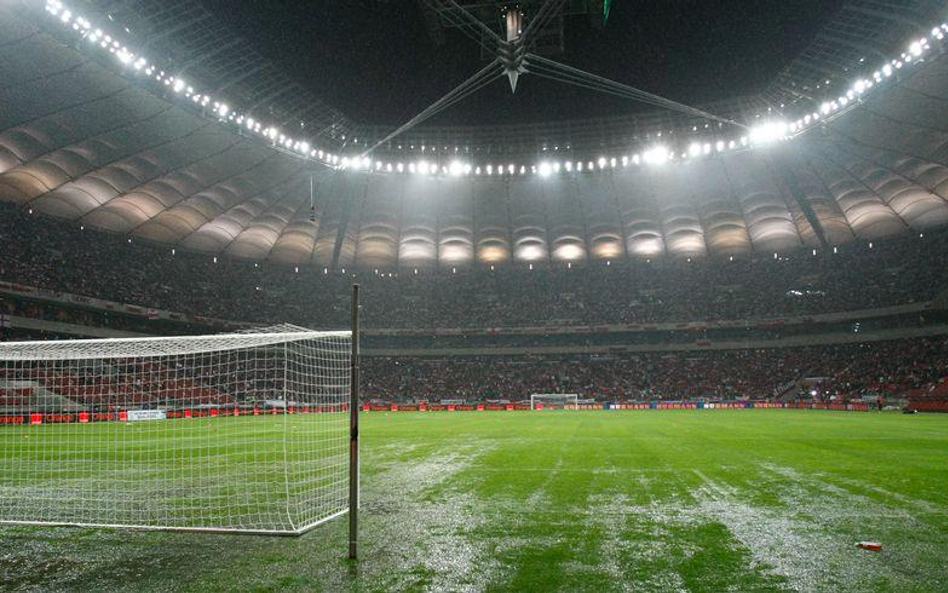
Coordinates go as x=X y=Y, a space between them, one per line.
x=375 y=61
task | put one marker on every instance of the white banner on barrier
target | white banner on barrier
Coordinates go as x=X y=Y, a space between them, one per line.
x=139 y=415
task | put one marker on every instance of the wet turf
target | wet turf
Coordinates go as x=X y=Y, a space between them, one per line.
x=756 y=500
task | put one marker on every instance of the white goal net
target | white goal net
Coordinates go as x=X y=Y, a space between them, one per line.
x=554 y=401
x=245 y=432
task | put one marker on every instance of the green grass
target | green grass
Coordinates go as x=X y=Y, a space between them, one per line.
x=743 y=500
x=250 y=473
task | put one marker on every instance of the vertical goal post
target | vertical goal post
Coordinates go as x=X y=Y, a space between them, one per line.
x=247 y=432
x=354 y=430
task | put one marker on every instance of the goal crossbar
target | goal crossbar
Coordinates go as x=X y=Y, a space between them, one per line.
x=153 y=346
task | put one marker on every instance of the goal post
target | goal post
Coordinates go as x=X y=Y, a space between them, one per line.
x=554 y=401
x=245 y=432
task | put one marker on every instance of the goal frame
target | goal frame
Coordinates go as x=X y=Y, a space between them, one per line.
x=565 y=396
x=352 y=402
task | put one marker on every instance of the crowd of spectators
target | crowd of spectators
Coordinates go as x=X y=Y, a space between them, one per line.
x=49 y=254
x=867 y=370
x=90 y=317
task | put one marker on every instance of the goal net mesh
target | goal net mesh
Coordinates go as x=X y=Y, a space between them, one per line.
x=231 y=432
x=554 y=401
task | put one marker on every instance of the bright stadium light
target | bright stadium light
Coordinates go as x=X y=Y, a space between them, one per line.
x=768 y=132
x=657 y=155
x=457 y=168
x=545 y=170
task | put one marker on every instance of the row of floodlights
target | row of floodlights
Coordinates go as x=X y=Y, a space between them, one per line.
x=762 y=134
x=914 y=54
x=657 y=155
x=220 y=109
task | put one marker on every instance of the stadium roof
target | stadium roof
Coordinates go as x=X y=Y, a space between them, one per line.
x=86 y=138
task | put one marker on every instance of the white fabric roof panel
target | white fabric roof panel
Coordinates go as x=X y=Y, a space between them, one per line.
x=456 y=224
x=492 y=221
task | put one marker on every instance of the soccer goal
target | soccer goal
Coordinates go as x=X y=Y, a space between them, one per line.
x=240 y=432
x=554 y=401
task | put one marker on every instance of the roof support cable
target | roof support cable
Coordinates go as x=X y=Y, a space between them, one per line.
x=467 y=23
x=577 y=77
x=547 y=12
x=482 y=78
x=540 y=73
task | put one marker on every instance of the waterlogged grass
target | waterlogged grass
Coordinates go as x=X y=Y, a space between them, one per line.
x=253 y=473
x=742 y=500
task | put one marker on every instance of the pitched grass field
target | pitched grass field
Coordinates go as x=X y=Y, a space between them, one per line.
x=729 y=500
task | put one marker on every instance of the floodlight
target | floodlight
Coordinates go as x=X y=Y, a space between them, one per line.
x=657 y=155
x=768 y=132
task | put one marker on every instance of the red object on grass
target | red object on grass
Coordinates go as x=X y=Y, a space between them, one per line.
x=871 y=546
